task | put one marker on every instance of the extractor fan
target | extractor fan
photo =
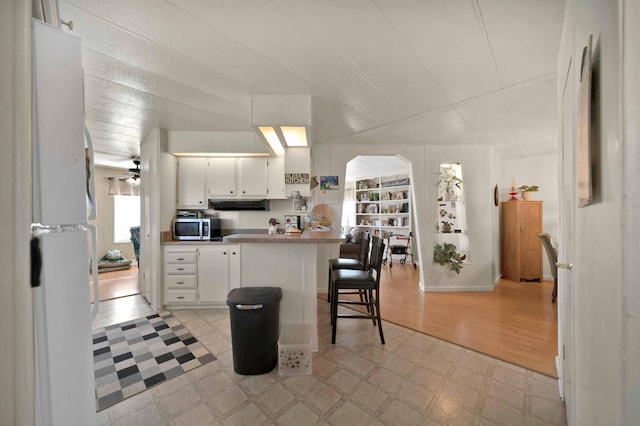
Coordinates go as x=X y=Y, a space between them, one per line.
x=134 y=174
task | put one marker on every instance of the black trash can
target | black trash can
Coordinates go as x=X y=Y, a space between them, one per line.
x=254 y=313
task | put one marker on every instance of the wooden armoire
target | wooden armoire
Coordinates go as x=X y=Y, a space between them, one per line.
x=521 y=250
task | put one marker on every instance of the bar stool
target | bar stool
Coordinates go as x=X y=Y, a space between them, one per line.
x=361 y=280
x=360 y=263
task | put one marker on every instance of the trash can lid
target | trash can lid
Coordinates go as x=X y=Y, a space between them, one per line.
x=254 y=295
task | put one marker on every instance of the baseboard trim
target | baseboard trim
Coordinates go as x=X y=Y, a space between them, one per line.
x=458 y=288
x=559 y=373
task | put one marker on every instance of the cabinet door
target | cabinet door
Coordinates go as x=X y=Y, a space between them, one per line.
x=213 y=274
x=275 y=178
x=530 y=247
x=234 y=267
x=192 y=179
x=252 y=177
x=221 y=178
x=510 y=244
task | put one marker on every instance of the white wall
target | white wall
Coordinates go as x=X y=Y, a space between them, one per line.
x=631 y=220
x=257 y=220
x=539 y=170
x=478 y=196
x=600 y=392
x=425 y=162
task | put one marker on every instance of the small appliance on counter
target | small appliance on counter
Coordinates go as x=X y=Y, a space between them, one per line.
x=196 y=229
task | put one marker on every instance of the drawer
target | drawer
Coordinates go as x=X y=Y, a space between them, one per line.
x=180 y=281
x=180 y=269
x=180 y=257
x=179 y=296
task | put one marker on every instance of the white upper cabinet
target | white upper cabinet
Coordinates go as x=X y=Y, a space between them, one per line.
x=251 y=177
x=221 y=178
x=275 y=178
x=200 y=179
x=192 y=192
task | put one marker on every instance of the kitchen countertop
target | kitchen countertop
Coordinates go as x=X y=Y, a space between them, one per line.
x=191 y=242
x=307 y=237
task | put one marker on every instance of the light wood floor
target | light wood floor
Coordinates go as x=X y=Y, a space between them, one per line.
x=114 y=284
x=516 y=322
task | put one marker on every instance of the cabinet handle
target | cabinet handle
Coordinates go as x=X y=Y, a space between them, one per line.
x=231 y=192
x=180 y=258
x=180 y=297
x=244 y=192
x=180 y=269
x=224 y=252
x=180 y=282
x=234 y=253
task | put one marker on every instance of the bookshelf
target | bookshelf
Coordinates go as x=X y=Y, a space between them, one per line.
x=384 y=204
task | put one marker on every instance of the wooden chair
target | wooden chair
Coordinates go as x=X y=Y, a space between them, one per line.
x=360 y=263
x=366 y=281
x=552 y=255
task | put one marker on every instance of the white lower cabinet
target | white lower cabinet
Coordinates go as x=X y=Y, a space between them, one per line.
x=200 y=275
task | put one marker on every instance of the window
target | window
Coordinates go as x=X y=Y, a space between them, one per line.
x=126 y=213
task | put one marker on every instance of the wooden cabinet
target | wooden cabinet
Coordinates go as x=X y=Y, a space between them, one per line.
x=192 y=191
x=521 y=250
x=200 y=275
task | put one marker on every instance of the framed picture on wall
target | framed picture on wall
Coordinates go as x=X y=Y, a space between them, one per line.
x=585 y=129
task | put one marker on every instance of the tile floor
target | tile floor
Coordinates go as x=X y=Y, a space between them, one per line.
x=414 y=379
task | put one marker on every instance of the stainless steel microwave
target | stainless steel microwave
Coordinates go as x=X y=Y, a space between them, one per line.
x=191 y=228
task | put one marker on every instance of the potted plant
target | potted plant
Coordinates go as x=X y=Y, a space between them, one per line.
x=446 y=226
x=445 y=254
x=527 y=191
x=448 y=180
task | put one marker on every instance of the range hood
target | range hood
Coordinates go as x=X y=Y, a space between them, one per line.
x=238 y=205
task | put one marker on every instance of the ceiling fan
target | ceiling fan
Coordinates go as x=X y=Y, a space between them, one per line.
x=134 y=174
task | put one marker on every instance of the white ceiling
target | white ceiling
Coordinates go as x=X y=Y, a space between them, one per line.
x=443 y=72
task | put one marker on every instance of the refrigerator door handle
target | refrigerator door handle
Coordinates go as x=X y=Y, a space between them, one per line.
x=36 y=262
x=94 y=270
x=91 y=182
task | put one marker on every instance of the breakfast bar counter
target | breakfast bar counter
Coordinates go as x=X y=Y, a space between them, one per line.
x=296 y=264
x=307 y=237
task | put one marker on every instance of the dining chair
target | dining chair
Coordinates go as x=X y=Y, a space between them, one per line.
x=366 y=281
x=552 y=255
x=359 y=263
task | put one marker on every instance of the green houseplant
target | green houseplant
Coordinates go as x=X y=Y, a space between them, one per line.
x=527 y=191
x=445 y=254
x=448 y=180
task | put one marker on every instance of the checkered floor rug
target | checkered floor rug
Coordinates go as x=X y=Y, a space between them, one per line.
x=133 y=356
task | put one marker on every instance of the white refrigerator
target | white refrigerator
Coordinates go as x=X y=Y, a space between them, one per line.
x=65 y=386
